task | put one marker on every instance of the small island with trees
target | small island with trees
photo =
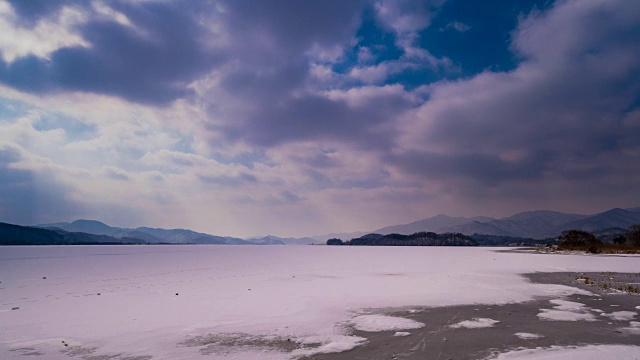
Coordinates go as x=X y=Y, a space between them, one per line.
x=416 y=239
x=617 y=241
x=578 y=240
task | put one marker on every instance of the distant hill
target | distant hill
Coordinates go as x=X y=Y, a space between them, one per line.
x=275 y=240
x=497 y=240
x=490 y=228
x=173 y=236
x=607 y=235
x=417 y=239
x=529 y=225
x=183 y=236
x=92 y=231
x=267 y=240
x=320 y=239
x=150 y=235
x=92 y=227
x=432 y=224
x=544 y=217
x=609 y=219
x=538 y=224
x=24 y=235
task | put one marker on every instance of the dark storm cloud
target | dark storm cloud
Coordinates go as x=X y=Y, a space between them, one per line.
x=317 y=118
x=557 y=115
x=150 y=63
x=262 y=52
x=484 y=169
x=289 y=27
x=273 y=74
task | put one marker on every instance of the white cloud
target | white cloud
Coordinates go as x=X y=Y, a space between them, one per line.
x=459 y=26
x=406 y=19
x=45 y=37
x=104 y=10
x=370 y=95
x=405 y=16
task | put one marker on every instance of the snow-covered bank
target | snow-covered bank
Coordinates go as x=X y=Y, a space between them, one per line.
x=144 y=300
x=590 y=352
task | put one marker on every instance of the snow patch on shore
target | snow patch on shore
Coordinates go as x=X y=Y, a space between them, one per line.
x=528 y=336
x=476 y=323
x=590 y=352
x=402 y=333
x=375 y=323
x=329 y=344
x=556 y=315
x=621 y=315
x=634 y=328
x=565 y=305
x=566 y=311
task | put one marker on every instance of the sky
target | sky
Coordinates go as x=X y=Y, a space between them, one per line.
x=297 y=117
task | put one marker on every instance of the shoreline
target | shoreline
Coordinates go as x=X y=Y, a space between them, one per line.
x=439 y=340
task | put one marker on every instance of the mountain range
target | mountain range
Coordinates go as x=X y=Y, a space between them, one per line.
x=25 y=235
x=167 y=236
x=538 y=224
x=533 y=225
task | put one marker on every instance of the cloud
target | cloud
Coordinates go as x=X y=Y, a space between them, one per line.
x=328 y=115
x=31 y=194
x=406 y=19
x=145 y=53
x=9 y=154
x=270 y=96
x=278 y=93
x=556 y=118
x=115 y=173
x=458 y=26
x=405 y=16
x=43 y=38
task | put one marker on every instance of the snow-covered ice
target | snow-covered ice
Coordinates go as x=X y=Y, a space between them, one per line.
x=589 y=352
x=372 y=323
x=565 y=305
x=558 y=315
x=528 y=336
x=621 y=315
x=145 y=300
x=566 y=311
x=402 y=333
x=476 y=323
x=329 y=344
x=633 y=328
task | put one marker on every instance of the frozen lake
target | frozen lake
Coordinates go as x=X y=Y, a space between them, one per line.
x=146 y=301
